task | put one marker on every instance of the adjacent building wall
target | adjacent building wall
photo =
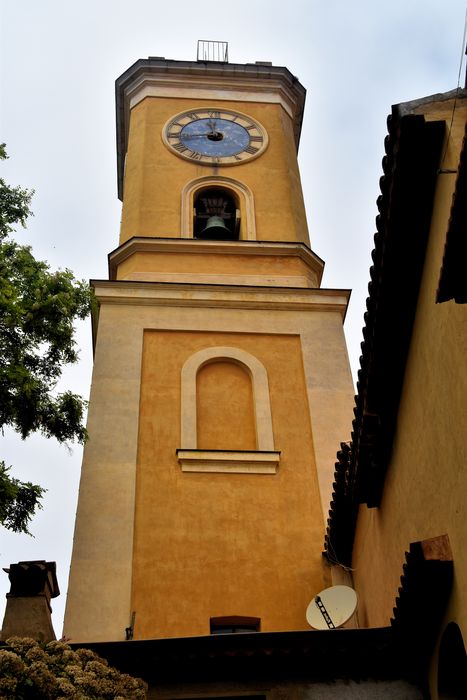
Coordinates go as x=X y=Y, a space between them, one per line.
x=426 y=484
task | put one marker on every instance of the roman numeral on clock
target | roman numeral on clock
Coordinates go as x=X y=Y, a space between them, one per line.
x=251 y=149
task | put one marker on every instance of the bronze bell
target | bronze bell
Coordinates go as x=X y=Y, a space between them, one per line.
x=216 y=229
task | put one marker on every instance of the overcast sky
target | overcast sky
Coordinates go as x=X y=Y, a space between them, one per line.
x=59 y=61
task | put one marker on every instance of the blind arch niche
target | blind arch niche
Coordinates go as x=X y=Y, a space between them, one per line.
x=265 y=458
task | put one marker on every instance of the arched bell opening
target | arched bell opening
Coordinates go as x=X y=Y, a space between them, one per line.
x=216 y=215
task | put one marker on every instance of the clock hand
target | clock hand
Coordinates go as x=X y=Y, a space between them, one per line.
x=212 y=125
x=212 y=135
x=194 y=136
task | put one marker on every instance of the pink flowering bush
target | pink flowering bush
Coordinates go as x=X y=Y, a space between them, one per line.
x=53 y=671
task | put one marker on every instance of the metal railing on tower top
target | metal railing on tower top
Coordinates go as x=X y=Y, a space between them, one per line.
x=216 y=51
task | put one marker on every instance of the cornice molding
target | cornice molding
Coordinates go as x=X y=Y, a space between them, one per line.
x=143 y=244
x=229 y=88
x=220 y=296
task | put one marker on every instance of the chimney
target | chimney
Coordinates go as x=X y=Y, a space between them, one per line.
x=28 y=610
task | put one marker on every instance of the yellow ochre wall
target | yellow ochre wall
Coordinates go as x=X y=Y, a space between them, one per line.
x=426 y=484
x=155 y=176
x=223 y=544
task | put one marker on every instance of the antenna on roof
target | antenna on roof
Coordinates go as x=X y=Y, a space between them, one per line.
x=214 y=51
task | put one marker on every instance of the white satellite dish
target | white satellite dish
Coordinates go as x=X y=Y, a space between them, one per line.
x=331 y=608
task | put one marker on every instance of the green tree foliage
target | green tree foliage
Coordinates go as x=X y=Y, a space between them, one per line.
x=18 y=501
x=33 y=671
x=38 y=308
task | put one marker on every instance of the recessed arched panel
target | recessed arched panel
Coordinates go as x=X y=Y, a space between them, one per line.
x=238 y=191
x=224 y=405
x=261 y=401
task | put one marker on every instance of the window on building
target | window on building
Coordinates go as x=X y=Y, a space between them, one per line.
x=234 y=624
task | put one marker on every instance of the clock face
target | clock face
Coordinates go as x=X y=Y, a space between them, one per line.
x=215 y=137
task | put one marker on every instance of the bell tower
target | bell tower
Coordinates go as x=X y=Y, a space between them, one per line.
x=221 y=383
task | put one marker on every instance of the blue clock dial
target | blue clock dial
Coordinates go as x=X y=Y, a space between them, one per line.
x=215 y=137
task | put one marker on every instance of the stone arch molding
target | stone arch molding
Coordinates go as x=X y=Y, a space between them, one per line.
x=238 y=188
x=264 y=459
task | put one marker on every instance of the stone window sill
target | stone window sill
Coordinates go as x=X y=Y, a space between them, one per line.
x=229 y=461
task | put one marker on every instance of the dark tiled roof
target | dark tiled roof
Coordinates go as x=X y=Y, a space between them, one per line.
x=453 y=280
x=314 y=655
x=426 y=585
x=342 y=513
x=410 y=167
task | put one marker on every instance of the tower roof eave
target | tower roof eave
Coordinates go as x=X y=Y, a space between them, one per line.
x=251 y=81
